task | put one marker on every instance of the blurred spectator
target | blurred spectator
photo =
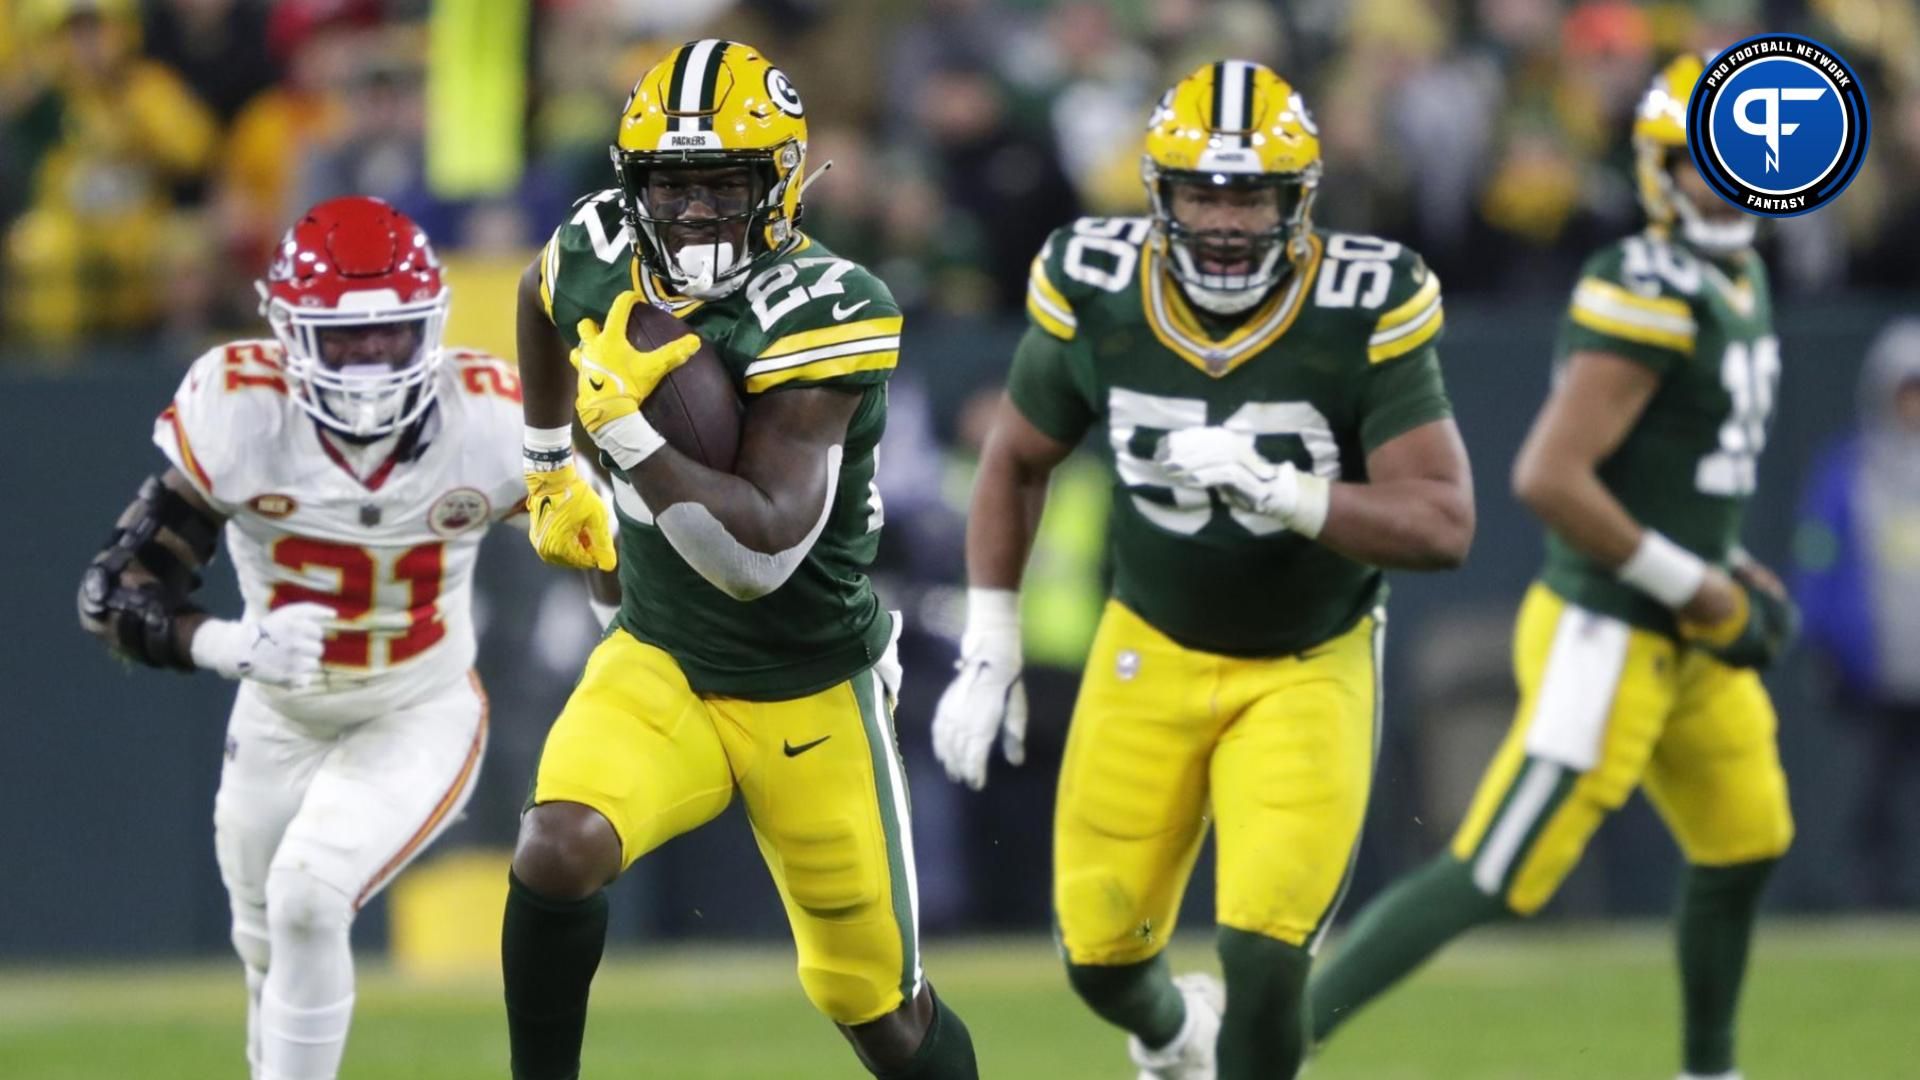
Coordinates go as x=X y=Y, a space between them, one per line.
x=103 y=140
x=218 y=46
x=320 y=44
x=1857 y=552
x=1001 y=186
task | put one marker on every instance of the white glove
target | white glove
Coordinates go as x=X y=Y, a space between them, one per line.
x=1226 y=461
x=281 y=648
x=986 y=699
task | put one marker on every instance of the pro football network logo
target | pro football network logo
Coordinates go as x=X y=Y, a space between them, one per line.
x=1778 y=125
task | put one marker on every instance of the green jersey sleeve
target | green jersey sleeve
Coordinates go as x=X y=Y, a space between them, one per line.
x=1076 y=265
x=1410 y=316
x=1632 y=301
x=1044 y=388
x=1403 y=388
x=819 y=320
x=1402 y=394
x=586 y=264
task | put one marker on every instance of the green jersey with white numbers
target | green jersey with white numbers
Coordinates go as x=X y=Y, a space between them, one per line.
x=1689 y=463
x=1339 y=360
x=805 y=319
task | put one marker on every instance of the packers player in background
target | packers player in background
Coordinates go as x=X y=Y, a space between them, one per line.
x=1637 y=648
x=749 y=653
x=1279 y=433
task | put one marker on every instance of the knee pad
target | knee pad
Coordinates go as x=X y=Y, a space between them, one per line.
x=249 y=937
x=830 y=869
x=302 y=904
x=848 y=996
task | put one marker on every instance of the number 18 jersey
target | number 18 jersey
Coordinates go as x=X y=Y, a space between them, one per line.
x=1689 y=464
x=1338 y=361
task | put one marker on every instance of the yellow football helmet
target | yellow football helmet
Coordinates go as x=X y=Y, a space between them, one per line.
x=709 y=106
x=1233 y=124
x=1660 y=145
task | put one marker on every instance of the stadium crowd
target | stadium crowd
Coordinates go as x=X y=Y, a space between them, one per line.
x=151 y=153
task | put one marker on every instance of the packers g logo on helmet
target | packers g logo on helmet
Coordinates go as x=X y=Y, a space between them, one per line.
x=1233 y=124
x=711 y=105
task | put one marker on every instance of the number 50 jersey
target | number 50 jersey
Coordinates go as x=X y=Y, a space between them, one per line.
x=1337 y=362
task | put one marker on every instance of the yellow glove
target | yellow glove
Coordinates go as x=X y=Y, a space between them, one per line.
x=614 y=376
x=568 y=523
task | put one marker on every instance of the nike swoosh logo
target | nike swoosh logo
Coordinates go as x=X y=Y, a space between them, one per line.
x=595 y=383
x=796 y=751
x=545 y=501
x=839 y=314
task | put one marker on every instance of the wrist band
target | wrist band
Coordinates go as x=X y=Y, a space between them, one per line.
x=546 y=449
x=1310 y=512
x=1663 y=570
x=629 y=440
x=993 y=609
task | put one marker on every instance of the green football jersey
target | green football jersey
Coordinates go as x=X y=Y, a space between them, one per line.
x=1689 y=463
x=805 y=319
x=1339 y=360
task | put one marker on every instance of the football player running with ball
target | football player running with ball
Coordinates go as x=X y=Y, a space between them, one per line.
x=1279 y=432
x=1637 y=649
x=750 y=654
x=354 y=465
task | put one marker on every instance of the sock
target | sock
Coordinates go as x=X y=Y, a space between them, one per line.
x=945 y=1054
x=1717 y=906
x=306 y=1001
x=549 y=950
x=1139 y=998
x=1264 y=1032
x=256 y=979
x=1394 y=935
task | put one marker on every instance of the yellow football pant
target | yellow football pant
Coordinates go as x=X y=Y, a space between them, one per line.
x=1283 y=750
x=824 y=792
x=1604 y=707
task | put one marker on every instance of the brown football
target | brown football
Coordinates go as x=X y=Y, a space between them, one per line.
x=695 y=408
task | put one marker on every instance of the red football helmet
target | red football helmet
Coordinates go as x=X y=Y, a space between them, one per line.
x=349 y=268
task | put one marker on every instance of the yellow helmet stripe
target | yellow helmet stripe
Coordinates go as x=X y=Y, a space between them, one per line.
x=696 y=72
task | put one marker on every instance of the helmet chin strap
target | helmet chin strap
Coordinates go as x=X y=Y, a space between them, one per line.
x=1711 y=237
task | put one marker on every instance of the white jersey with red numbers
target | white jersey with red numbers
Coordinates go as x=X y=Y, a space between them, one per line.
x=385 y=535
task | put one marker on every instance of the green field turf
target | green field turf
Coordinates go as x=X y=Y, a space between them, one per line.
x=1827 y=1001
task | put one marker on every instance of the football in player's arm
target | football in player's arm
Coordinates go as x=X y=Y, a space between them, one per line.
x=749 y=652
x=1638 y=647
x=353 y=464
x=1280 y=433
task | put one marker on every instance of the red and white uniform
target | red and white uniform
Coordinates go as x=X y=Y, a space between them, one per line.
x=351 y=777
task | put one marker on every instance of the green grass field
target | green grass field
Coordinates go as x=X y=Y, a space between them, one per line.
x=1826 y=1001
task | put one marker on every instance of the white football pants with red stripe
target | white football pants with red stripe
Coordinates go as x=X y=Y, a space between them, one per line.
x=311 y=820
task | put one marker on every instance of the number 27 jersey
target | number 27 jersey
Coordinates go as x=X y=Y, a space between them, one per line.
x=1338 y=361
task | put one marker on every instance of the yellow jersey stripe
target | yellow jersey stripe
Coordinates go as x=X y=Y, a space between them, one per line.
x=549 y=269
x=1633 y=332
x=1414 y=307
x=832 y=335
x=1609 y=309
x=825 y=369
x=1661 y=312
x=1046 y=319
x=1409 y=337
x=1038 y=282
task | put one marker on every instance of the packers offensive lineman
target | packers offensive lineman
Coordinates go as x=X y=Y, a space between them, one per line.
x=1636 y=649
x=1279 y=431
x=749 y=653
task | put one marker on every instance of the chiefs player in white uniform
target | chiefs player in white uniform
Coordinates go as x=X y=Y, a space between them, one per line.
x=355 y=465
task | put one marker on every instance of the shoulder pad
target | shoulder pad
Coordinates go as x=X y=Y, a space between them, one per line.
x=232 y=401
x=586 y=262
x=1639 y=290
x=1078 y=262
x=815 y=319
x=1388 y=285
